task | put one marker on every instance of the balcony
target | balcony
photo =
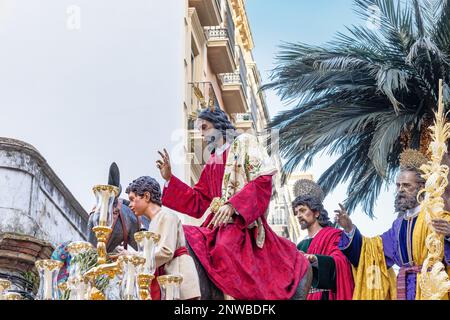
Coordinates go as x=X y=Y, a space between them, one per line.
x=208 y=11
x=220 y=42
x=233 y=93
x=243 y=121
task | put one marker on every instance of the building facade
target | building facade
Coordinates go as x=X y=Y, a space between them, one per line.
x=219 y=68
x=37 y=213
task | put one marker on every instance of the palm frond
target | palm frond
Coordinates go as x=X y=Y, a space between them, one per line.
x=355 y=96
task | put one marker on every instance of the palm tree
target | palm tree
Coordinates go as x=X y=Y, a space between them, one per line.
x=364 y=96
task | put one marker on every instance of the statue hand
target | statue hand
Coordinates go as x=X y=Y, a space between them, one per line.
x=343 y=219
x=222 y=216
x=441 y=226
x=312 y=258
x=164 y=165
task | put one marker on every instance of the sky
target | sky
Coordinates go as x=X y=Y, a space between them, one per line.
x=312 y=22
x=91 y=82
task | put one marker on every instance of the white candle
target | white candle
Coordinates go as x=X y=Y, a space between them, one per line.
x=169 y=291
x=130 y=280
x=48 y=285
x=104 y=208
x=147 y=254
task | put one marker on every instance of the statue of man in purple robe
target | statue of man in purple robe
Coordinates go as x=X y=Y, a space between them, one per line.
x=399 y=239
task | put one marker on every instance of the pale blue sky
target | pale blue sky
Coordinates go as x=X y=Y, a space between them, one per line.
x=312 y=22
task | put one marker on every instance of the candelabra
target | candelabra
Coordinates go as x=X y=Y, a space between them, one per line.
x=4 y=285
x=76 y=282
x=147 y=244
x=131 y=266
x=105 y=195
x=48 y=272
x=170 y=286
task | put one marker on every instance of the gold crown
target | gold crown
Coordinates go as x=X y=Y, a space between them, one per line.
x=306 y=187
x=412 y=159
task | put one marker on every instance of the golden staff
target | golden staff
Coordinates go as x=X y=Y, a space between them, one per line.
x=433 y=279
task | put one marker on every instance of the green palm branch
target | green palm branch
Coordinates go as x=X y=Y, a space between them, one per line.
x=364 y=96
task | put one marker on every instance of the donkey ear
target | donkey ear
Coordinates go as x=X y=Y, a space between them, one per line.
x=114 y=175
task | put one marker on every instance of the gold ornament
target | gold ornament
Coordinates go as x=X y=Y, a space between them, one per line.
x=434 y=281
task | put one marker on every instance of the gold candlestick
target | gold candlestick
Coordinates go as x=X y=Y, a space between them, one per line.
x=147 y=244
x=4 y=285
x=48 y=271
x=12 y=296
x=170 y=286
x=110 y=270
x=131 y=266
x=76 y=282
x=101 y=233
x=144 y=283
x=105 y=195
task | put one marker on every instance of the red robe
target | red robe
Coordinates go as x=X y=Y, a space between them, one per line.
x=229 y=254
x=326 y=243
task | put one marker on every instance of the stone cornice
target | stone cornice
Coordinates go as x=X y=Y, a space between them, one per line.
x=242 y=24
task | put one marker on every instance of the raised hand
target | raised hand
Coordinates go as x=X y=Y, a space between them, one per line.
x=164 y=165
x=343 y=219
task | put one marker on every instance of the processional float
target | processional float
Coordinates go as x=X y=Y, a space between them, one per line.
x=134 y=272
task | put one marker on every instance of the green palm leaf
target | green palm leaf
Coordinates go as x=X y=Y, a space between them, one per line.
x=355 y=96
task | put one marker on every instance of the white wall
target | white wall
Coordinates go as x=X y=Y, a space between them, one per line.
x=33 y=201
x=91 y=84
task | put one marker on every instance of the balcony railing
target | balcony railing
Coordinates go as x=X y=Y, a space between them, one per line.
x=243 y=117
x=230 y=78
x=219 y=33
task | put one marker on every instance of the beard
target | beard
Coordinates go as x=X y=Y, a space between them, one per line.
x=304 y=224
x=405 y=202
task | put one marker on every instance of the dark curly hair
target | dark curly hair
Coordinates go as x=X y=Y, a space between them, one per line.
x=220 y=121
x=313 y=204
x=146 y=184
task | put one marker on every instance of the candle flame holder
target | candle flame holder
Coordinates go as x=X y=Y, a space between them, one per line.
x=147 y=244
x=170 y=286
x=131 y=266
x=105 y=195
x=4 y=285
x=48 y=272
